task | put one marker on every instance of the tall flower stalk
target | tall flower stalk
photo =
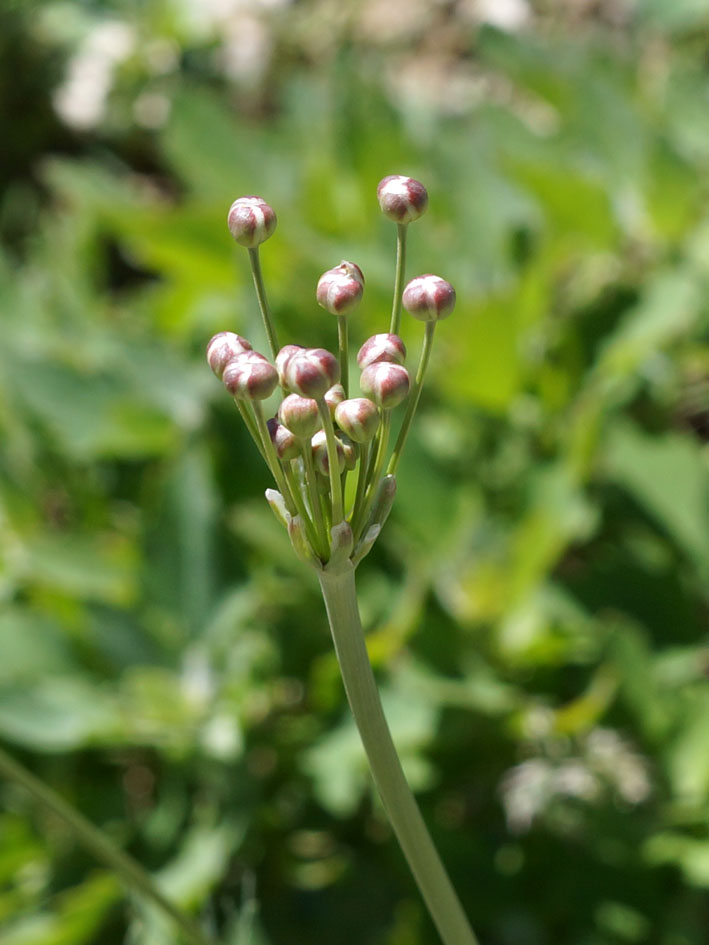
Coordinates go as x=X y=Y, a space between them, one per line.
x=320 y=436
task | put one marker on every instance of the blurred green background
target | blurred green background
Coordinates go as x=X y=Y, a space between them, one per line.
x=538 y=604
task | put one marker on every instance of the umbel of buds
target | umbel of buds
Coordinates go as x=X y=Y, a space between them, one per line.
x=321 y=433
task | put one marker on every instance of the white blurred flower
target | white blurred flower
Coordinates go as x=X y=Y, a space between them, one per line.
x=80 y=100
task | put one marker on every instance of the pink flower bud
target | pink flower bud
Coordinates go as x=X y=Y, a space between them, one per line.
x=222 y=348
x=320 y=455
x=333 y=397
x=340 y=289
x=282 y=359
x=251 y=221
x=387 y=384
x=300 y=415
x=287 y=446
x=402 y=199
x=311 y=372
x=429 y=298
x=358 y=418
x=384 y=347
x=250 y=376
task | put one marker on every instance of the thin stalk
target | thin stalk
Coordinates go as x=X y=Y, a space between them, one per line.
x=96 y=841
x=335 y=483
x=339 y=593
x=374 y=475
x=413 y=397
x=274 y=464
x=250 y=424
x=294 y=486
x=343 y=345
x=255 y=262
x=401 y=230
x=361 y=479
x=314 y=495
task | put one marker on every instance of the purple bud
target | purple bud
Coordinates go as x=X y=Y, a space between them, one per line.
x=312 y=372
x=251 y=221
x=429 y=298
x=402 y=199
x=384 y=347
x=222 y=348
x=300 y=415
x=387 y=384
x=287 y=446
x=282 y=359
x=320 y=455
x=250 y=376
x=358 y=418
x=334 y=396
x=340 y=289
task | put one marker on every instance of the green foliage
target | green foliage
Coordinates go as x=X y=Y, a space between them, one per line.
x=537 y=603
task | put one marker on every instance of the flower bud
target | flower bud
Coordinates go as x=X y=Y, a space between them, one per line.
x=402 y=199
x=311 y=372
x=282 y=359
x=320 y=454
x=429 y=298
x=384 y=347
x=340 y=289
x=251 y=221
x=300 y=415
x=358 y=418
x=333 y=397
x=287 y=446
x=222 y=348
x=387 y=384
x=250 y=376
x=350 y=449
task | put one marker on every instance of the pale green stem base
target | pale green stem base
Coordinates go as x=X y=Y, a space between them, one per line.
x=338 y=589
x=96 y=841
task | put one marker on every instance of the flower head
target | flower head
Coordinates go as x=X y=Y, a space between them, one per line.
x=429 y=298
x=340 y=289
x=387 y=384
x=382 y=347
x=251 y=221
x=402 y=199
x=250 y=376
x=224 y=346
x=311 y=372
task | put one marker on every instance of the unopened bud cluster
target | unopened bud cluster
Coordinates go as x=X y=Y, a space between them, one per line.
x=327 y=447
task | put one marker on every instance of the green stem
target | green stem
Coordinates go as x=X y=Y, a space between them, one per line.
x=311 y=480
x=373 y=475
x=96 y=841
x=401 y=230
x=413 y=397
x=343 y=345
x=335 y=481
x=255 y=262
x=250 y=425
x=361 y=480
x=339 y=593
x=274 y=464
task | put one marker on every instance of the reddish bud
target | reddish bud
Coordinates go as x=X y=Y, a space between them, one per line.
x=333 y=397
x=251 y=221
x=222 y=348
x=384 y=347
x=340 y=289
x=300 y=415
x=311 y=372
x=387 y=384
x=282 y=359
x=250 y=376
x=429 y=298
x=402 y=199
x=358 y=418
x=287 y=446
x=320 y=454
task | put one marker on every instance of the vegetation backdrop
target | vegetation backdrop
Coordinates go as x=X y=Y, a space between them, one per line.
x=537 y=607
